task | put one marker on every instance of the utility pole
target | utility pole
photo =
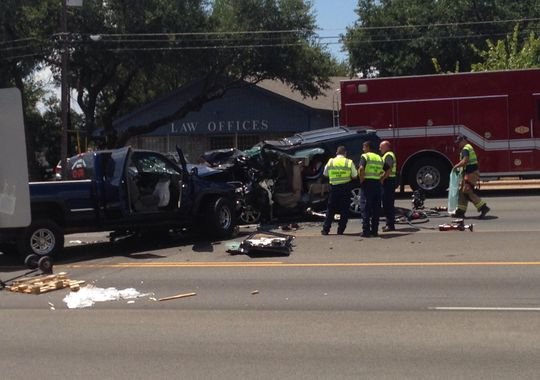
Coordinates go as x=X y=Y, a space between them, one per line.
x=65 y=87
x=65 y=98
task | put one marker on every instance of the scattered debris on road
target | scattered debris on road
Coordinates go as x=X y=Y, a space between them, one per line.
x=260 y=243
x=290 y=226
x=44 y=284
x=456 y=225
x=89 y=295
x=177 y=296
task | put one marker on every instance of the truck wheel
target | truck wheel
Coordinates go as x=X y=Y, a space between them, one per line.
x=220 y=218
x=356 y=206
x=250 y=215
x=431 y=175
x=42 y=238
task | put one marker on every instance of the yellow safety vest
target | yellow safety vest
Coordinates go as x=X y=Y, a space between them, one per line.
x=339 y=170
x=393 y=172
x=374 y=166
x=473 y=160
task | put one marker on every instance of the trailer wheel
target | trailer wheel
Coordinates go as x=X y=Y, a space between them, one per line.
x=219 y=218
x=43 y=238
x=430 y=175
x=45 y=264
x=31 y=261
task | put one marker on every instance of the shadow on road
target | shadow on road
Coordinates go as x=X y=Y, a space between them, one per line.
x=132 y=247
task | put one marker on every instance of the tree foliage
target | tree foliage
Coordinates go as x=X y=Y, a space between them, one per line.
x=402 y=37
x=24 y=25
x=126 y=53
x=509 y=53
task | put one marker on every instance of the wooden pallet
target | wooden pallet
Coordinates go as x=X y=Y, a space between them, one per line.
x=45 y=283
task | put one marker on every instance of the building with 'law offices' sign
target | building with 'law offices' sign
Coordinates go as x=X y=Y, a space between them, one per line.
x=241 y=118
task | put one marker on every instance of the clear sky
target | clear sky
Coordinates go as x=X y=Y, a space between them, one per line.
x=333 y=16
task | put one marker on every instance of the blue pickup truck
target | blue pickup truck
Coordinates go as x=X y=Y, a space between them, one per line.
x=124 y=190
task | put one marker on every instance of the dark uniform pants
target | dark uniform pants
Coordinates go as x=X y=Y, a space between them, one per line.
x=388 y=200
x=339 y=202
x=371 y=192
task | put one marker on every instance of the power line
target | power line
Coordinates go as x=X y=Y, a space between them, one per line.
x=289 y=31
x=264 y=39
x=449 y=24
x=216 y=47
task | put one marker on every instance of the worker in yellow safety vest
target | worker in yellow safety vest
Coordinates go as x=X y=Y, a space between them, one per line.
x=389 y=183
x=370 y=172
x=340 y=171
x=468 y=164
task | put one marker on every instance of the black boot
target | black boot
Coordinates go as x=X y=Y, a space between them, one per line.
x=483 y=211
x=458 y=214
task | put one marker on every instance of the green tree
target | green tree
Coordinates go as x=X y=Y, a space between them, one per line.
x=127 y=53
x=509 y=53
x=24 y=25
x=401 y=37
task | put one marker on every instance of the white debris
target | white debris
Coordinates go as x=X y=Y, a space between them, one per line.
x=89 y=295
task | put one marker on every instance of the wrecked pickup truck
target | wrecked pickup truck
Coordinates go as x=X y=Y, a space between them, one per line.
x=124 y=191
x=285 y=177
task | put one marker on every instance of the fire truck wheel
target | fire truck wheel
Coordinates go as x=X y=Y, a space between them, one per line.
x=430 y=175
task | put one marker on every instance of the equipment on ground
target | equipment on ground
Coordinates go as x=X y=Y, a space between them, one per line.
x=34 y=263
x=456 y=225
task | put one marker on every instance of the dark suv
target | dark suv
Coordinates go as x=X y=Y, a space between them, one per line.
x=285 y=176
x=328 y=139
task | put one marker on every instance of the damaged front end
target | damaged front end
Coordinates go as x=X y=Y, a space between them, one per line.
x=270 y=182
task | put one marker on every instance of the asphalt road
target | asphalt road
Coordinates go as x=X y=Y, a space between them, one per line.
x=417 y=303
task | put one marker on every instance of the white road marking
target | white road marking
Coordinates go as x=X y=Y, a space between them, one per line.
x=461 y=308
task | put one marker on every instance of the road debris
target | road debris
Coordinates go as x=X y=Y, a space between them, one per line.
x=89 y=295
x=456 y=225
x=177 y=296
x=290 y=226
x=43 y=284
x=266 y=242
x=309 y=211
x=255 y=292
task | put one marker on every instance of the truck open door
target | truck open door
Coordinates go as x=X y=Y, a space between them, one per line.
x=14 y=190
x=115 y=197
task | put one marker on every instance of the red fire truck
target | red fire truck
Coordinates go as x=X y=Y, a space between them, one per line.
x=498 y=111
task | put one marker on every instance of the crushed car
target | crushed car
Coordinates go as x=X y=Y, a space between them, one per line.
x=285 y=177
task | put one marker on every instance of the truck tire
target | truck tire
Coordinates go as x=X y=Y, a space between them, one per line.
x=250 y=215
x=431 y=175
x=219 y=219
x=43 y=238
x=355 y=208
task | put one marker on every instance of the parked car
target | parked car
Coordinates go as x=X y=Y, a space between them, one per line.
x=284 y=177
